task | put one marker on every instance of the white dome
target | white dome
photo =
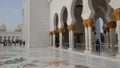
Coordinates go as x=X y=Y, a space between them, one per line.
x=18 y=28
x=3 y=27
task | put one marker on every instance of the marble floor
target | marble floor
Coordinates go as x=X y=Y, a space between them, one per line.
x=20 y=57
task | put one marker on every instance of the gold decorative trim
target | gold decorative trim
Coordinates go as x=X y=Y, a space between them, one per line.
x=88 y=22
x=116 y=14
x=70 y=27
x=60 y=30
x=53 y=32
x=111 y=24
x=85 y=24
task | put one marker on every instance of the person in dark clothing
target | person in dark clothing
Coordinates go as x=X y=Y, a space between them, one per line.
x=3 y=43
x=75 y=41
x=97 y=45
x=20 y=42
x=23 y=43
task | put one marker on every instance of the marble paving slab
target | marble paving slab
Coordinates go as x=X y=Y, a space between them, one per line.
x=51 y=58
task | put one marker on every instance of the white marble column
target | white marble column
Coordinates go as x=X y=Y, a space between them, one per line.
x=108 y=29
x=54 y=39
x=116 y=15
x=71 y=37
x=90 y=38
x=86 y=39
x=112 y=40
x=107 y=38
x=72 y=40
x=88 y=23
x=118 y=33
x=61 y=37
x=87 y=14
x=115 y=4
x=112 y=31
x=112 y=36
x=61 y=40
x=51 y=39
x=69 y=40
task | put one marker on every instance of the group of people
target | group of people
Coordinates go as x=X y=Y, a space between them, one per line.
x=12 y=43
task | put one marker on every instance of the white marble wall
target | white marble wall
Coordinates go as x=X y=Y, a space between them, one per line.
x=37 y=23
x=56 y=6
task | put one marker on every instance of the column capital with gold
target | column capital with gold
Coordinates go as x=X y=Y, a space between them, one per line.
x=60 y=30
x=85 y=24
x=88 y=22
x=52 y=33
x=111 y=24
x=70 y=27
x=116 y=14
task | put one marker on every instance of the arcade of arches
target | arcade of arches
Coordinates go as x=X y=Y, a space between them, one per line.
x=89 y=21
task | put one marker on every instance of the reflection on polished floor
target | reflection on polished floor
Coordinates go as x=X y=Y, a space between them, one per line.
x=20 y=57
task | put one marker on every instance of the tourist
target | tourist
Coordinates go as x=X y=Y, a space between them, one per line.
x=23 y=43
x=98 y=46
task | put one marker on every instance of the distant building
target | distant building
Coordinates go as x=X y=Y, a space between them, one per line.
x=10 y=36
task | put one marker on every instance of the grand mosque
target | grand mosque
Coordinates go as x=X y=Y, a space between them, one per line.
x=72 y=24
x=65 y=34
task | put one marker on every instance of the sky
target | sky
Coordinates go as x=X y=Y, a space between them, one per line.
x=10 y=13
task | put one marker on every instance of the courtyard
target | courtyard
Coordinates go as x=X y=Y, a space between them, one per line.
x=21 y=57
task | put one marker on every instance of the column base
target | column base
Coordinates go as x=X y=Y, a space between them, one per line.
x=87 y=52
x=53 y=47
x=70 y=49
x=60 y=48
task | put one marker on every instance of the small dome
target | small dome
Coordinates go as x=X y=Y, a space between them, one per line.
x=3 y=27
x=18 y=28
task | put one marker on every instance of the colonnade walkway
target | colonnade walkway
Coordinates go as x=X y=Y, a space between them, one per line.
x=21 y=57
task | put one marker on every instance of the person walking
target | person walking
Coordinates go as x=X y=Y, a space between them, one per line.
x=97 y=45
